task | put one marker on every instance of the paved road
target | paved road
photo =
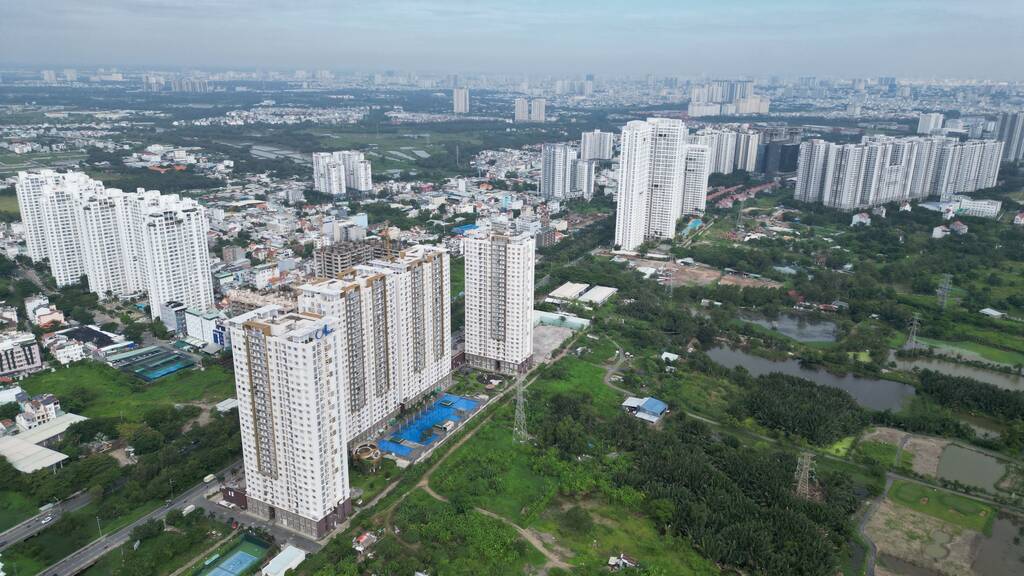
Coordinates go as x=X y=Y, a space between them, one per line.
x=92 y=552
x=34 y=525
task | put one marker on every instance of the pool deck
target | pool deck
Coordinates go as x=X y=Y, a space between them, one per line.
x=417 y=436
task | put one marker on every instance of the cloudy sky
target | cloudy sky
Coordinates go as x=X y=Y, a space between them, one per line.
x=912 y=38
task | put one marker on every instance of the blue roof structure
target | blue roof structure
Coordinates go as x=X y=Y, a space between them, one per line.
x=464 y=228
x=653 y=406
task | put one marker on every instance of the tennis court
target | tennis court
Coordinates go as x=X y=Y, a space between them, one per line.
x=236 y=561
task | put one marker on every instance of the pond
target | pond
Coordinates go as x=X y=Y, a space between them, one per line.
x=796 y=326
x=1000 y=379
x=875 y=394
x=970 y=467
x=998 y=555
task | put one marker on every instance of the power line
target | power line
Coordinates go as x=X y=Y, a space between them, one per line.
x=945 y=289
x=519 y=430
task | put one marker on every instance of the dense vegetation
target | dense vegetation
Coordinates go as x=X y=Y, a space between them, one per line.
x=960 y=393
x=797 y=406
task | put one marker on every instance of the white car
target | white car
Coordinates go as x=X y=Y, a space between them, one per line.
x=47 y=520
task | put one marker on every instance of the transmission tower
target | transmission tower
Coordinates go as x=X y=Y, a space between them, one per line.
x=915 y=323
x=519 y=431
x=944 y=290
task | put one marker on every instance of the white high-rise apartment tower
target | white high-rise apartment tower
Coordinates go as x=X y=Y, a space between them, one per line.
x=537 y=110
x=596 y=145
x=123 y=242
x=395 y=329
x=654 y=167
x=1011 y=134
x=499 y=300
x=358 y=171
x=291 y=410
x=460 y=100
x=522 y=110
x=558 y=162
x=929 y=123
x=328 y=174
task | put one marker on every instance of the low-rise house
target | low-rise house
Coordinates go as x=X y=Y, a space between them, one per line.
x=41 y=313
x=861 y=219
x=649 y=409
x=37 y=410
x=19 y=354
x=958 y=228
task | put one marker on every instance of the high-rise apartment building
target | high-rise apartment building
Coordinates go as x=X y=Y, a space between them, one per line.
x=884 y=169
x=499 y=300
x=522 y=110
x=460 y=100
x=1011 y=134
x=929 y=123
x=292 y=414
x=123 y=242
x=330 y=261
x=583 y=179
x=394 y=324
x=596 y=145
x=337 y=173
x=328 y=174
x=656 y=161
x=558 y=162
x=537 y=110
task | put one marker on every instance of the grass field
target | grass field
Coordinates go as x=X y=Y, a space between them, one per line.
x=458 y=276
x=118 y=394
x=156 y=548
x=617 y=530
x=842 y=447
x=9 y=204
x=390 y=151
x=987 y=352
x=957 y=510
x=14 y=508
x=11 y=163
x=885 y=454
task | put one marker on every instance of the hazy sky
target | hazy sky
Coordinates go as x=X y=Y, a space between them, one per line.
x=914 y=38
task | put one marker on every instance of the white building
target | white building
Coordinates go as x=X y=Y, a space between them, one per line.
x=293 y=419
x=558 y=161
x=395 y=330
x=729 y=148
x=499 y=300
x=596 y=145
x=336 y=173
x=929 y=123
x=537 y=110
x=124 y=242
x=19 y=354
x=661 y=177
x=522 y=110
x=460 y=100
x=883 y=169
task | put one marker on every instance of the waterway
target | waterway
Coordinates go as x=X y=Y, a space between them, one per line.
x=875 y=394
x=970 y=467
x=998 y=555
x=1000 y=379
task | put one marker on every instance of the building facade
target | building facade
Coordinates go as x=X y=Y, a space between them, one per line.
x=337 y=173
x=460 y=100
x=558 y=162
x=499 y=300
x=596 y=145
x=291 y=412
x=395 y=324
x=1011 y=134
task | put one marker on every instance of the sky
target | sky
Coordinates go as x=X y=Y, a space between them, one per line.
x=828 y=38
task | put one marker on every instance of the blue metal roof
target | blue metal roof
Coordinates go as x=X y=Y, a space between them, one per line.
x=654 y=406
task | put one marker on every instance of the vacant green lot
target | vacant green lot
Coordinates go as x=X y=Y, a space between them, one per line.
x=9 y=204
x=14 y=508
x=987 y=352
x=958 y=510
x=110 y=392
x=10 y=163
x=885 y=453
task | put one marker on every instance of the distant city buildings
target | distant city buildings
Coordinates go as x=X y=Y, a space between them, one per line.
x=522 y=110
x=729 y=149
x=884 y=169
x=563 y=175
x=337 y=173
x=123 y=242
x=499 y=300
x=596 y=145
x=661 y=177
x=460 y=100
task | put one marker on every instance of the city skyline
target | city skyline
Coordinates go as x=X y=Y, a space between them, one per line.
x=793 y=37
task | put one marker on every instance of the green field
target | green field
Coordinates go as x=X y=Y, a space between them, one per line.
x=391 y=151
x=987 y=352
x=163 y=554
x=885 y=454
x=14 y=508
x=9 y=204
x=11 y=163
x=458 y=276
x=842 y=447
x=115 y=393
x=957 y=510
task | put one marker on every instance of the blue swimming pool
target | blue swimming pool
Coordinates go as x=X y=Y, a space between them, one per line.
x=421 y=429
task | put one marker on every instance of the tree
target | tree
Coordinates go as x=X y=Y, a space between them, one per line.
x=9 y=410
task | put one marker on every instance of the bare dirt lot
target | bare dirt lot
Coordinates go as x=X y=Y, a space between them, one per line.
x=675 y=274
x=922 y=540
x=927 y=452
x=883 y=434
